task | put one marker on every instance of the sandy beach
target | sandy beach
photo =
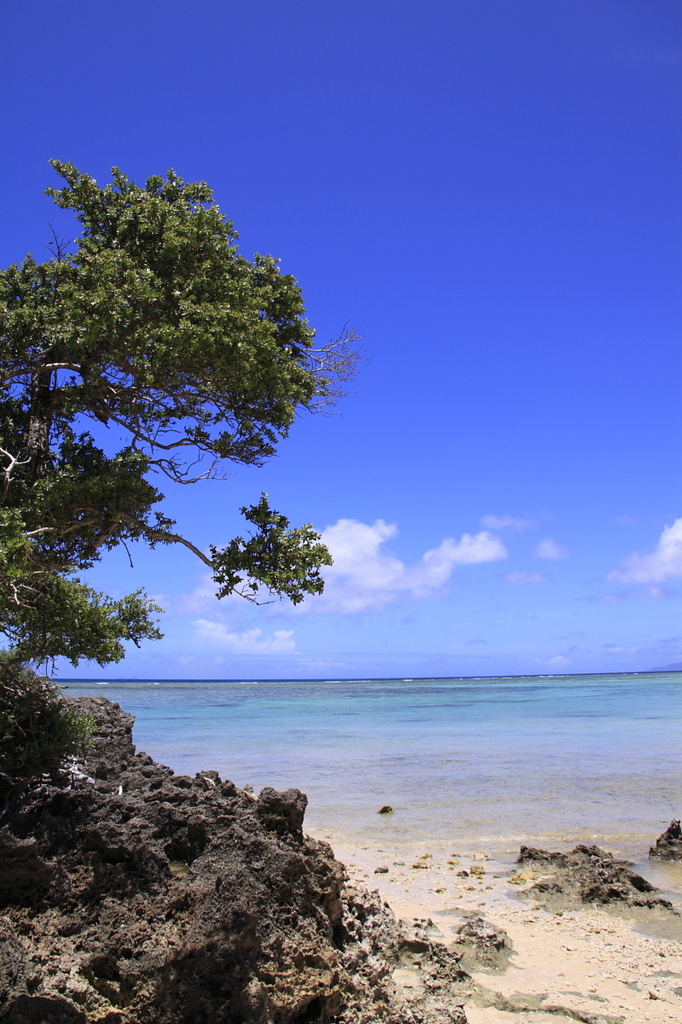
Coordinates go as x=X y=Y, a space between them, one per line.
x=589 y=965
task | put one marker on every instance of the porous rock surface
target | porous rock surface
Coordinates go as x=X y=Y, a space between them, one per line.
x=129 y=895
x=669 y=844
x=483 y=946
x=585 y=874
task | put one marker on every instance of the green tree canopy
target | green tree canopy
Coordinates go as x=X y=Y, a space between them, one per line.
x=151 y=323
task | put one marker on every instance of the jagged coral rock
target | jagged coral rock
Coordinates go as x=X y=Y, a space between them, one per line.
x=588 y=874
x=669 y=844
x=130 y=895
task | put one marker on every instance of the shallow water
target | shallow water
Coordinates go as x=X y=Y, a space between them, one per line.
x=465 y=763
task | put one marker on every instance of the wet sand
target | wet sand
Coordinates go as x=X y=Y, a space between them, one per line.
x=590 y=965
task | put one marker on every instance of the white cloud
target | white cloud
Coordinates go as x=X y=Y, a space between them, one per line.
x=615 y=649
x=507 y=523
x=248 y=642
x=558 y=661
x=549 y=549
x=608 y=597
x=661 y=594
x=524 y=577
x=364 y=577
x=664 y=563
x=194 y=602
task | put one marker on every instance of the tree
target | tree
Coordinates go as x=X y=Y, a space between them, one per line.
x=153 y=325
x=38 y=729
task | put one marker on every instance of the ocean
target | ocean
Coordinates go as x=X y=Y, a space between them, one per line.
x=486 y=763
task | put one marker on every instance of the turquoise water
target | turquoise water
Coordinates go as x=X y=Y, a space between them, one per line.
x=502 y=761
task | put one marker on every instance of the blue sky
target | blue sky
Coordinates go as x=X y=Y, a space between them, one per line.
x=490 y=194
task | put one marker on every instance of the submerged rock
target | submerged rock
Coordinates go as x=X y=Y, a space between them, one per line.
x=130 y=895
x=669 y=844
x=587 y=874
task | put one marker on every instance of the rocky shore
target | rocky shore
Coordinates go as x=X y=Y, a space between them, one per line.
x=585 y=875
x=130 y=895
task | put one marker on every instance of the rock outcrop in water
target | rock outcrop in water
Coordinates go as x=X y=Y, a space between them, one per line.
x=130 y=895
x=586 y=874
x=669 y=844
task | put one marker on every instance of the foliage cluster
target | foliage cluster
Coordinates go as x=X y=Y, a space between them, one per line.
x=38 y=729
x=152 y=332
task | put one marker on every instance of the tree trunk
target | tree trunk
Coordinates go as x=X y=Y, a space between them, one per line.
x=39 y=424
